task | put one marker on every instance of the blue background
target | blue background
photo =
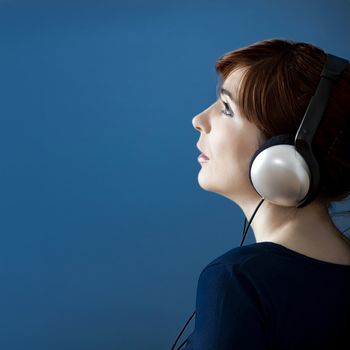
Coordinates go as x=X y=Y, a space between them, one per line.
x=104 y=227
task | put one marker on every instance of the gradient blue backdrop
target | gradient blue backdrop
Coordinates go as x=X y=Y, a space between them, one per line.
x=104 y=228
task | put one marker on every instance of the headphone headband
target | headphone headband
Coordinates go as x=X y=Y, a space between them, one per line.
x=331 y=73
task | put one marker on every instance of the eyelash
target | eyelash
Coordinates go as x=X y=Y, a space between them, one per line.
x=227 y=108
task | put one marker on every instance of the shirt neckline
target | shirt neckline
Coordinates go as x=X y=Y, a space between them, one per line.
x=280 y=247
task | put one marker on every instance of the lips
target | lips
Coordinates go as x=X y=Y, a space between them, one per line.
x=202 y=154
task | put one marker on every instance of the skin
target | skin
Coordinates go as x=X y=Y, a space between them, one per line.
x=230 y=142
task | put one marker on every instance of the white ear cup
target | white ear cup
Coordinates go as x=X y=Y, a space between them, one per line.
x=280 y=175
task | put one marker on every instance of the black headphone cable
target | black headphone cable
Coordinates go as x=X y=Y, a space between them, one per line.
x=244 y=233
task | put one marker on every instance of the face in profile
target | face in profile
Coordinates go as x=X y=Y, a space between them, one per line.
x=229 y=141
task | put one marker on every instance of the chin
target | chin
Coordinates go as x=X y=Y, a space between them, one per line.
x=203 y=181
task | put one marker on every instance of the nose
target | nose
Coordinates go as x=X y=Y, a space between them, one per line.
x=195 y=123
x=198 y=122
x=202 y=120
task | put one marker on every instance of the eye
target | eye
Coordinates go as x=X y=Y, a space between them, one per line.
x=227 y=110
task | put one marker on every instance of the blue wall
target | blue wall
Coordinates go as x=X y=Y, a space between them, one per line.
x=104 y=228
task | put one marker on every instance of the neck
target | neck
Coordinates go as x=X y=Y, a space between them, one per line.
x=311 y=224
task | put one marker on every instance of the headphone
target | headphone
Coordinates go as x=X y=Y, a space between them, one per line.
x=284 y=170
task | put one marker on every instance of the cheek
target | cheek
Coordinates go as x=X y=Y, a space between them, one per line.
x=223 y=144
x=228 y=150
x=233 y=150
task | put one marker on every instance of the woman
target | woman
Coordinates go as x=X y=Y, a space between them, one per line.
x=290 y=289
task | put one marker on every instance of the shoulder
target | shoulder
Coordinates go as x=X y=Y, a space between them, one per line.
x=249 y=266
x=230 y=306
x=235 y=279
x=241 y=258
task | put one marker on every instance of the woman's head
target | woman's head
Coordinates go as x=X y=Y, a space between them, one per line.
x=272 y=82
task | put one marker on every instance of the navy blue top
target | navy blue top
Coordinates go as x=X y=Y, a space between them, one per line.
x=266 y=296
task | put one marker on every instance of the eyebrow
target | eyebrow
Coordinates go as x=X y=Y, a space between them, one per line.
x=222 y=91
x=228 y=93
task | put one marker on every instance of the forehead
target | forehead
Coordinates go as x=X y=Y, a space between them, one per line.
x=232 y=83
